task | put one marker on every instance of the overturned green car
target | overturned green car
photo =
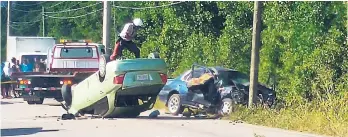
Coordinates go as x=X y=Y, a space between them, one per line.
x=121 y=88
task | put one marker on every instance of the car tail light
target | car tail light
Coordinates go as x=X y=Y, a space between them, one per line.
x=119 y=79
x=68 y=82
x=164 y=78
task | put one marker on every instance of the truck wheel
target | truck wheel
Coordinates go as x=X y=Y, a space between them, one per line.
x=40 y=102
x=66 y=94
x=104 y=59
x=31 y=102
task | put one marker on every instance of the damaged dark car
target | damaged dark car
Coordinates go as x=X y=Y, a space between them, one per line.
x=217 y=91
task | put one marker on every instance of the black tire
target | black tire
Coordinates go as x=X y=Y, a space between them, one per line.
x=103 y=60
x=31 y=102
x=66 y=94
x=40 y=102
x=227 y=107
x=174 y=104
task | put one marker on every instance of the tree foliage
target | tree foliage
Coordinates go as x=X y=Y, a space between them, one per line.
x=304 y=49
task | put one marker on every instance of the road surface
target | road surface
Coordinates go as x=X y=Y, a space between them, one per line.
x=20 y=119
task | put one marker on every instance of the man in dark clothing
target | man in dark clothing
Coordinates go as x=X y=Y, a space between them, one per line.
x=4 y=86
x=125 y=40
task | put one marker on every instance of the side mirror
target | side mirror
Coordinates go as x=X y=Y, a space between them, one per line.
x=102 y=51
x=65 y=50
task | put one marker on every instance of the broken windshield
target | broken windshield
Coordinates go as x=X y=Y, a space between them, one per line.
x=234 y=76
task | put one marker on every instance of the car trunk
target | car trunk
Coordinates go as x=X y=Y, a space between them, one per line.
x=142 y=74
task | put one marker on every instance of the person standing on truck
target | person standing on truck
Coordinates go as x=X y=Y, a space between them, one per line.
x=26 y=66
x=125 y=39
x=18 y=65
x=36 y=65
x=14 y=67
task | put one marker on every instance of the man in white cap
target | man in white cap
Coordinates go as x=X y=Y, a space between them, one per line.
x=125 y=39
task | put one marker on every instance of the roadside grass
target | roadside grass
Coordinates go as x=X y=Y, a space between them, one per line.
x=325 y=117
x=319 y=117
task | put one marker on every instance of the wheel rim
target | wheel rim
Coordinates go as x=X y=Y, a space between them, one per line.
x=102 y=66
x=226 y=108
x=173 y=104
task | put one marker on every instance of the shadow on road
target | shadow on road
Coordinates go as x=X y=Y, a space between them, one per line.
x=53 y=104
x=23 y=131
x=9 y=102
x=5 y=103
x=161 y=118
x=172 y=118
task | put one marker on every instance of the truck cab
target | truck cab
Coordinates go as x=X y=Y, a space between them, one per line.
x=75 y=57
x=68 y=62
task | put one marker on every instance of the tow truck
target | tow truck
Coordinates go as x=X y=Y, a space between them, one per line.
x=68 y=62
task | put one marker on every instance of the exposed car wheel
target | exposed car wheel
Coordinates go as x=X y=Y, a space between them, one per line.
x=174 y=104
x=66 y=94
x=103 y=60
x=227 y=107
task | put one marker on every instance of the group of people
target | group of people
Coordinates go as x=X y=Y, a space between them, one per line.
x=15 y=66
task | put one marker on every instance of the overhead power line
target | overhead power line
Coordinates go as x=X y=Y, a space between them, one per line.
x=74 y=9
x=141 y=8
x=24 y=5
x=54 y=5
x=25 y=22
x=27 y=11
x=73 y=16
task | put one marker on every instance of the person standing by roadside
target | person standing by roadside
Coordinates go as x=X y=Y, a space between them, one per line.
x=4 y=86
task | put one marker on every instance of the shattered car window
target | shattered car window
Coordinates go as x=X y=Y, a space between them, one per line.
x=239 y=77
x=230 y=77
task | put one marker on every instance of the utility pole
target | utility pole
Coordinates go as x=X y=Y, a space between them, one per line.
x=255 y=58
x=8 y=18
x=43 y=21
x=106 y=26
x=8 y=27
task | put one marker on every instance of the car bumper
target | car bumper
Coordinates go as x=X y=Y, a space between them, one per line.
x=38 y=89
x=141 y=90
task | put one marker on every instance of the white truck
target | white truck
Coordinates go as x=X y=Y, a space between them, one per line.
x=67 y=63
x=28 y=47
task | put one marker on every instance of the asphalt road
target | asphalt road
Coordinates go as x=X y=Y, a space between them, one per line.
x=20 y=119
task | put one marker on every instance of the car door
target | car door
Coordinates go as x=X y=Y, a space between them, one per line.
x=196 y=95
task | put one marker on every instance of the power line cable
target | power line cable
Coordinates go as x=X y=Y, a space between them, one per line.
x=73 y=16
x=28 y=22
x=141 y=8
x=29 y=4
x=74 y=9
x=54 y=5
x=27 y=11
